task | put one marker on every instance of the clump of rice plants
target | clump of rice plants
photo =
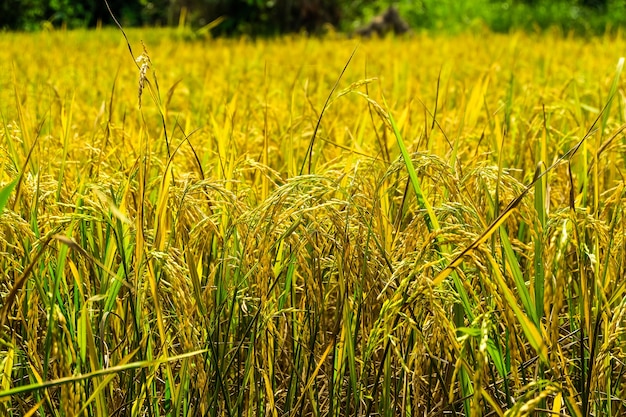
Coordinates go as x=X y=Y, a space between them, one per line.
x=237 y=227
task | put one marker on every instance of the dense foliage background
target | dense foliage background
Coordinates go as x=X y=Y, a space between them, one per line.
x=278 y=16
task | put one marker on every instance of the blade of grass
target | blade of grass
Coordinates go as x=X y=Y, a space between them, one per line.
x=123 y=366
x=531 y=331
x=518 y=277
x=5 y=193
x=19 y=283
x=309 y=152
x=431 y=219
x=66 y=124
x=538 y=257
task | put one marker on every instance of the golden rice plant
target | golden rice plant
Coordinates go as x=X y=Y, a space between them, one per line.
x=431 y=225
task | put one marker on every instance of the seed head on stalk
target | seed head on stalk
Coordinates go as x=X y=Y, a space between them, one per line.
x=144 y=63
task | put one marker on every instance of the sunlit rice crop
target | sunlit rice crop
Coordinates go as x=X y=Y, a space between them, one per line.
x=293 y=227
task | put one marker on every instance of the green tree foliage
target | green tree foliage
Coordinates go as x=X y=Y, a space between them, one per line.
x=269 y=17
x=21 y=14
x=31 y=14
x=266 y=16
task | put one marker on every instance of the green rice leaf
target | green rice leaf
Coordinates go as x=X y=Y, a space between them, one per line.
x=532 y=333
x=431 y=219
x=5 y=193
x=518 y=277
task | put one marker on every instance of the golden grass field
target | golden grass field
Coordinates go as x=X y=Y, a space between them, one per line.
x=182 y=233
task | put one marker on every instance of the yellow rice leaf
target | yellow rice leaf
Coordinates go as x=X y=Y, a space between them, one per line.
x=558 y=403
x=475 y=103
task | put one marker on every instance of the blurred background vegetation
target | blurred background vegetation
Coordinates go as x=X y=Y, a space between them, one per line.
x=269 y=17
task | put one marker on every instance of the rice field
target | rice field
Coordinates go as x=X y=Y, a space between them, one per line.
x=421 y=226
